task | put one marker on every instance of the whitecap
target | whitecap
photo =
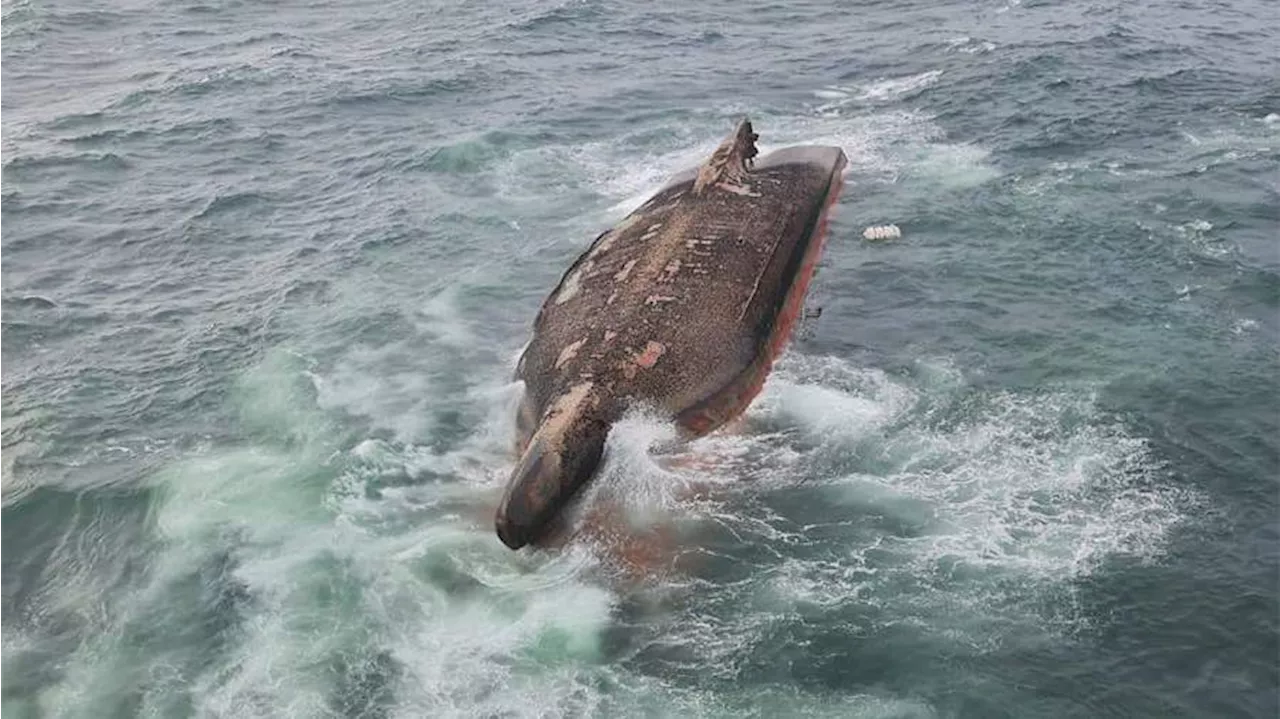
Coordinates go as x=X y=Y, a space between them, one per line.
x=898 y=87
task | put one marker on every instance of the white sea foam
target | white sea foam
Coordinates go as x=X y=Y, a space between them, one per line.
x=882 y=143
x=995 y=514
x=892 y=146
x=1243 y=325
x=970 y=46
x=897 y=87
x=882 y=90
x=963 y=516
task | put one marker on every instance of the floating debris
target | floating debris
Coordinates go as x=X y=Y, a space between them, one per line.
x=882 y=232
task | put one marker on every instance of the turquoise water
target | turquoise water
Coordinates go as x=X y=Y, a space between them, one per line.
x=267 y=267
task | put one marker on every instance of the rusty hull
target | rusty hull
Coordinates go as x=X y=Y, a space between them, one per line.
x=682 y=306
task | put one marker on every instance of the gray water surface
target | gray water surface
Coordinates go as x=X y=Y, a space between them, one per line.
x=267 y=266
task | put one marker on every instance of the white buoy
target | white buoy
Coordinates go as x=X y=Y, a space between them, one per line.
x=882 y=232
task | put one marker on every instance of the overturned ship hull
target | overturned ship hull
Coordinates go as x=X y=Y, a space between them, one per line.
x=683 y=307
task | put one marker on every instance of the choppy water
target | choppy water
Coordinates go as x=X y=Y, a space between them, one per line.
x=266 y=267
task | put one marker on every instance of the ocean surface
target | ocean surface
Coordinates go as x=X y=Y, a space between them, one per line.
x=267 y=268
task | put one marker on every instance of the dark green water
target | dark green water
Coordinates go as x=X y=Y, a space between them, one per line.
x=266 y=268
